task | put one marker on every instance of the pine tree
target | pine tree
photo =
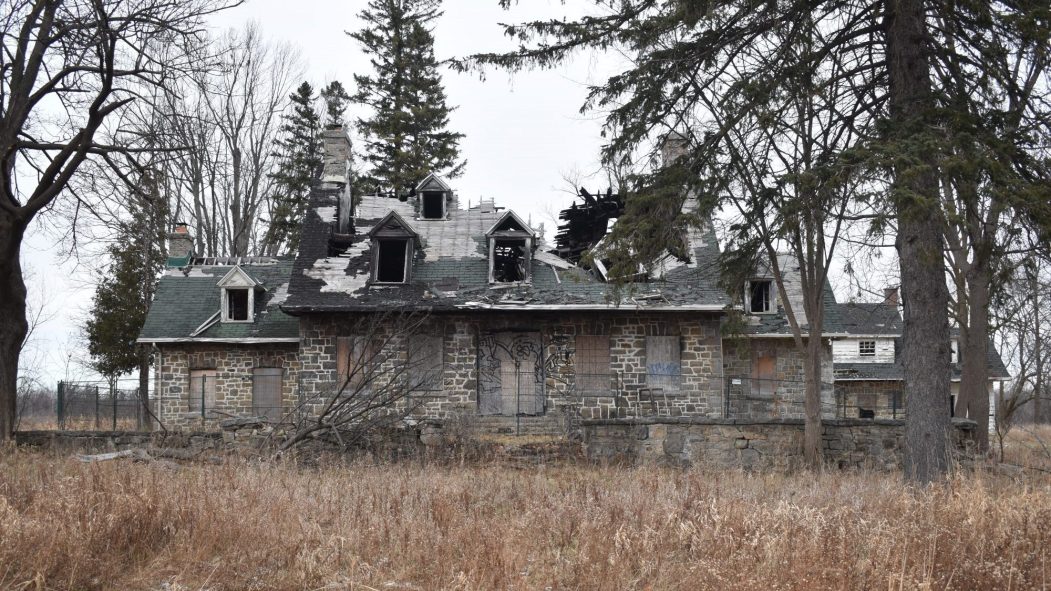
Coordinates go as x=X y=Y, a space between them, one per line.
x=335 y=98
x=406 y=137
x=125 y=289
x=300 y=158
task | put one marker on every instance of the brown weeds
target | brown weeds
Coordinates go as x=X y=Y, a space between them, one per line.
x=242 y=525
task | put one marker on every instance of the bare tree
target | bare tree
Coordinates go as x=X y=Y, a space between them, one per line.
x=383 y=366
x=68 y=69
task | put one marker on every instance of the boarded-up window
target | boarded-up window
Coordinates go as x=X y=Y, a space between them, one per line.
x=202 y=390
x=592 y=365
x=266 y=392
x=764 y=375
x=425 y=362
x=663 y=363
x=350 y=363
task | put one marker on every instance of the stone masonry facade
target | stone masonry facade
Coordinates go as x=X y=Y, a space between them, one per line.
x=750 y=394
x=233 y=365
x=884 y=398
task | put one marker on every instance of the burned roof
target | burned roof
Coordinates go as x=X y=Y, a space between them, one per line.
x=450 y=267
x=187 y=301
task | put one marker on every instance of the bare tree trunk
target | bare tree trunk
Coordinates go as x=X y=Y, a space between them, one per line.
x=973 y=399
x=144 y=391
x=13 y=324
x=812 y=428
x=919 y=244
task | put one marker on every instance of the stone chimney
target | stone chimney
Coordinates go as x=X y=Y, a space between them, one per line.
x=180 y=246
x=673 y=147
x=337 y=156
x=890 y=296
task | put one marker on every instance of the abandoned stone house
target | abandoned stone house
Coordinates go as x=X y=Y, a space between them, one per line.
x=510 y=332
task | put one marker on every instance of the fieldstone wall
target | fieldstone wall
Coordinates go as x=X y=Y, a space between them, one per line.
x=884 y=398
x=775 y=444
x=701 y=392
x=233 y=364
x=749 y=398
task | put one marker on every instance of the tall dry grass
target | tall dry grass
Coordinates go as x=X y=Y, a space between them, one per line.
x=243 y=525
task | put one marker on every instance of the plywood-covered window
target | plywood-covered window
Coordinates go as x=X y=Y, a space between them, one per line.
x=663 y=363
x=351 y=363
x=202 y=390
x=425 y=362
x=764 y=375
x=266 y=392
x=592 y=365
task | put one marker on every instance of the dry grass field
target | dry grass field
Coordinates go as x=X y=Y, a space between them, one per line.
x=250 y=524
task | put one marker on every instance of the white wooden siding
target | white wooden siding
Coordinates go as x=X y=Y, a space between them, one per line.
x=846 y=351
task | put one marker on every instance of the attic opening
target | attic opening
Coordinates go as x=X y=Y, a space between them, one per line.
x=433 y=205
x=509 y=260
x=237 y=304
x=760 y=296
x=392 y=261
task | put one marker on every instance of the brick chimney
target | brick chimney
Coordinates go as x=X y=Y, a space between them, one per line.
x=673 y=146
x=337 y=156
x=180 y=245
x=890 y=296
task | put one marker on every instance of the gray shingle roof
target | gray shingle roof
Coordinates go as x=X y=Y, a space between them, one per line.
x=188 y=297
x=450 y=270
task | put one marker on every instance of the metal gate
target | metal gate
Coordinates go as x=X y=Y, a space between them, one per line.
x=511 y=374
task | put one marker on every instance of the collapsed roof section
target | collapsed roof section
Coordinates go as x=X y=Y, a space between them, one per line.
x=452 y=267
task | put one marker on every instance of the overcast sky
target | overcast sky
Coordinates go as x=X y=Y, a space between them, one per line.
x=524 y=133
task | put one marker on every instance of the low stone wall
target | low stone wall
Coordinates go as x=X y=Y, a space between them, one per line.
x=106 y=441
x=774 y=444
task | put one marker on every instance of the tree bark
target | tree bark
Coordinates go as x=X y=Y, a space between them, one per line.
x=812 y=427
x=919 y=244
x=973 y=399
x=144 y=391
x=13 y=324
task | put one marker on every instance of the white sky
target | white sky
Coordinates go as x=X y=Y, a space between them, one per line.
x=523 y=134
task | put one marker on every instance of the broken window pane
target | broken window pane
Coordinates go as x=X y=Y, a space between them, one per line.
x=509 y=260
x=390 y=266
x=237 y=304
x=433 y=205
x=759 y=296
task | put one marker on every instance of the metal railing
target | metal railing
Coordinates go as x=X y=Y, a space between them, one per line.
x=81 y=405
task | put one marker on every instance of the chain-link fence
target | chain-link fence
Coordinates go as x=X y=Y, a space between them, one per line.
x=93 y=405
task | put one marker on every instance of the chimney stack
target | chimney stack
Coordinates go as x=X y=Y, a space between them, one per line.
x=337 y=156
x=180 y=246
x=890 y=296
x=673 y=147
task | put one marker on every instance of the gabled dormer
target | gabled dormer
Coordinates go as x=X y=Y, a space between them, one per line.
x=511 y=243
x=237 y=303
x=433 y=196
x=393 y=243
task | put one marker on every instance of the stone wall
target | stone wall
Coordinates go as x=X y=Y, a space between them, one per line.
x=233 y=364
x=701 y=359
x=775 y=444
x=784 y=397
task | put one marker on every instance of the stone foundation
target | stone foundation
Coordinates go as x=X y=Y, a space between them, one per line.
x=775 y=444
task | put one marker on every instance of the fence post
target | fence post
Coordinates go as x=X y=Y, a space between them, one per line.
x=59 y=410
x=96 y=408
x=113 y=397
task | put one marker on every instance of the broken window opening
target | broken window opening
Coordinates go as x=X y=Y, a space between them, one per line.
x=433 y=205
x=866 y=348
x=391 y=263
x=509 y=261
x=237 y=304
x=760 y=296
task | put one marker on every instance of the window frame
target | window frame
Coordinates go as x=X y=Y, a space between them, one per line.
x=592 y=382
x=441 y=195
x=208 y=397
x=862 y=348
x=406 y=263
x=433 y=383
x=771 y=299
x=670 y=383
x=262 y=371
x=250 y=309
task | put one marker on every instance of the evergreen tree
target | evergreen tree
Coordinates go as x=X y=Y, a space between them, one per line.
x=300 y=158
x=125 y=289
x=406 y=137
x=335 y=98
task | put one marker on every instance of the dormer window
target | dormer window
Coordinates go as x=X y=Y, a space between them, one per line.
x=238 y=296
x=237 y=305
x=510 y=250
x=393 y=242
x=432 y=205
x=759 y=294
x=434 y=194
